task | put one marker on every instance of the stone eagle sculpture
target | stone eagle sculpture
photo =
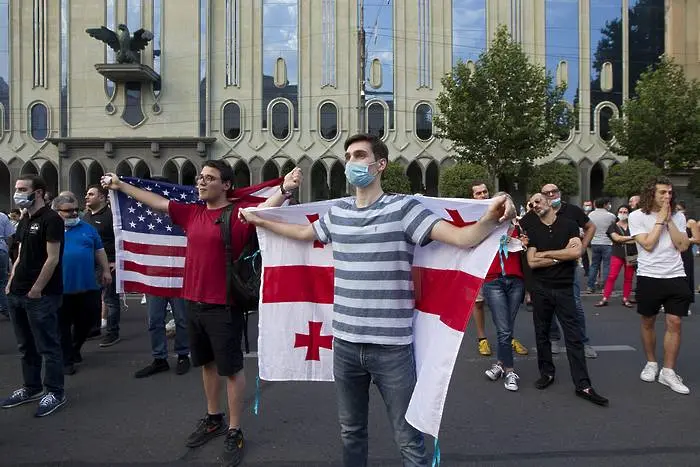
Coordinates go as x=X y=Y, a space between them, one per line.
x=126 y=46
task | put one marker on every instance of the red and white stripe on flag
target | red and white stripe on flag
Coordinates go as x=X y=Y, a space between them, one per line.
x=150 y=250
x=295 y=336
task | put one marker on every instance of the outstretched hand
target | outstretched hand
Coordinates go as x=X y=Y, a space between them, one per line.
x=249 y=217
x=293 y=179
x=110 y=181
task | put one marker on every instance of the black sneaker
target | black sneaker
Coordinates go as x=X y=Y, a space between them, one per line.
x=69 y=369
x=207 y=429
x=49 y=404
x=183 y=365
x=21 y=396
x=590 y=395
x=109 y=340
x=233 y=448
x=544 y=382
x=158 y=365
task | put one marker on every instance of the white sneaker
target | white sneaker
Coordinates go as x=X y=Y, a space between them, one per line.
x=495 y=372
x=651 y=369
x=669 y=378
x=511 y=383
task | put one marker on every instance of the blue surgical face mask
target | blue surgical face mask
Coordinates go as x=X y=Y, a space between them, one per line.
x=556 y=202
x=358 y=174
x=71 y=222
x=24 y=200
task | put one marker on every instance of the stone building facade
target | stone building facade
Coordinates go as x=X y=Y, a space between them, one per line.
x=273 y=84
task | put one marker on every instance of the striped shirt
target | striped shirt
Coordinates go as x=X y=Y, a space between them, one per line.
x=372 y=255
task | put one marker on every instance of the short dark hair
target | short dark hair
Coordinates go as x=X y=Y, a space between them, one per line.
x=626 y=206
x=38 y=183
x=379 y=149
x=646 y=202
x=99 y=189
x=225 y=170
x=601 y=202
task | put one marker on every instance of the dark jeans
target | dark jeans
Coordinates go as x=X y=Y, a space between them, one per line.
x=600 y=257
x=4 y=272
x=503 y=297
x=393 y=369
x=548 y=302
x=76 y=317
x=157 y=311
x=36 y=328
x=555 y=334
x=114 y=307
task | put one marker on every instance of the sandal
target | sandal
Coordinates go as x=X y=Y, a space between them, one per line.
x=627 y=303
x=603 y=302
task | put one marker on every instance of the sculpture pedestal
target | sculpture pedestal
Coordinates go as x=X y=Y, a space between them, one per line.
x=127 y=72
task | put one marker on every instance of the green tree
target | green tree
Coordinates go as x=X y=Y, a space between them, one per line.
x=627 y=178
x=395 y=180
x=456 y=181
x=563 y=176
x=662 y=123
x=505 y=113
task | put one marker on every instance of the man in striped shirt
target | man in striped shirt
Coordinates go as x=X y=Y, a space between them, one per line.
x=373 y=237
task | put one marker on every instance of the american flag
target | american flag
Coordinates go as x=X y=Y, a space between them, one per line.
x=150 y=249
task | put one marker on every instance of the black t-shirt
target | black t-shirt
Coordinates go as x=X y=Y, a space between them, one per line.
x=620 y=250
x=569 y=211
x=553 y=237
x=34 y=233
x=102 y=222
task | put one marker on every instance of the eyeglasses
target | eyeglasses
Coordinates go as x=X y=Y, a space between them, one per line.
x=69 y=211
x=551 y=192
x=206 y=179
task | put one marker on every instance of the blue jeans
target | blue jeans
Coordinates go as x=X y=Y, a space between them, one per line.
x=114 y=307
x=554 y=333
x=503 y=297
x=393 y=369
x=600 y=255
x=39 y=341
x=4 y=272
x=156 y=325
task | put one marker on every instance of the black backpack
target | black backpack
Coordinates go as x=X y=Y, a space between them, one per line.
x=242 y=273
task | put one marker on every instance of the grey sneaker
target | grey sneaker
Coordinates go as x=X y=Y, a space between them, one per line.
x=589 y=351
x=109 y=340
x=495 y=372
x=556 y=348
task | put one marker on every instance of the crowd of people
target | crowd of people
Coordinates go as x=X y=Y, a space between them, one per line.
x=59 y=286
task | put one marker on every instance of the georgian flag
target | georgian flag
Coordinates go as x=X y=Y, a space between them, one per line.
x=296 y=303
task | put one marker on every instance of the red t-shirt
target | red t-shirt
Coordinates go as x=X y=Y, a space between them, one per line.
x=205 y=258
x=511 y=264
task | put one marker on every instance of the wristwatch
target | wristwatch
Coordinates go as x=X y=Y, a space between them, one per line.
x=286 y=193
x=555 y=261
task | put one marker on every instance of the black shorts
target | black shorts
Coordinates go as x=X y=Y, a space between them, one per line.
x=215 y=336
x=672 y=293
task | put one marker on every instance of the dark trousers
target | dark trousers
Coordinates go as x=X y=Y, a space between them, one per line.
x=76 y=318
x=114 y=307
x=38 y=339
x=560 y=302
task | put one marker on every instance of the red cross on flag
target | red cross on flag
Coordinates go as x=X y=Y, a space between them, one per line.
x=296 y=306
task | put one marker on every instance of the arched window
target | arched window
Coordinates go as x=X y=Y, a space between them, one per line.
x=280 y=120
x=424 y=122
x=328 y=121
x=231 y=120
x=605 y=115
x=376 y=120
x=39 y=121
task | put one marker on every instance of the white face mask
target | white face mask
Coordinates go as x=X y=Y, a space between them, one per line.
x=71 y=222
x=622 y=217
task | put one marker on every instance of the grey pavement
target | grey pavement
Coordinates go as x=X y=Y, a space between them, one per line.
x=114 y=419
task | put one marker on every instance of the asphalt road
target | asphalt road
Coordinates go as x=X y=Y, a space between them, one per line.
x=113 y=419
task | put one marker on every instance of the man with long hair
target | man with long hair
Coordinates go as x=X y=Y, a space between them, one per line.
x=660 y=234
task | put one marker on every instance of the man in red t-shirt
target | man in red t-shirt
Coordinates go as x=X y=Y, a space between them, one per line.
x=214 y=334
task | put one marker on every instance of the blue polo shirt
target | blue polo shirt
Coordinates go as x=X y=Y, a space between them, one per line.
x=81 y=243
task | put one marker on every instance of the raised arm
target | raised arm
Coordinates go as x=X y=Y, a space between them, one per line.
x=148 y=198
x=291 y=182
x=500 y=210
x=293 y=231
x=680 y=239
x=649 y=240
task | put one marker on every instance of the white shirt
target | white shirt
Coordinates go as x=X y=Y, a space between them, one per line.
x=602 y=220
x=664 y=261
